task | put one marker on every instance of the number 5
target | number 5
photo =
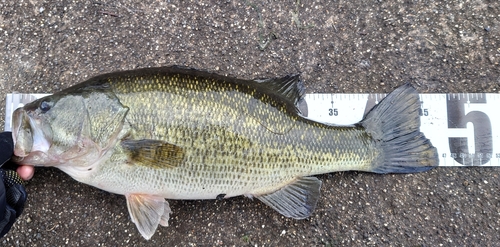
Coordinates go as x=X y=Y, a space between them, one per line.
x=482 y=132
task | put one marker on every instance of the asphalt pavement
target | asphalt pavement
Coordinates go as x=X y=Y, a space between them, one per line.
x=341 y=46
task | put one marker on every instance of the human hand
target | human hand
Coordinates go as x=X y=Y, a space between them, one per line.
x=12 y=192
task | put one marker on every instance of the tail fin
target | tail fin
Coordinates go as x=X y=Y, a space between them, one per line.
x=395 y=124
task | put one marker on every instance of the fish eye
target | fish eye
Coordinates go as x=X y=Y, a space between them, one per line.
x=45 y=106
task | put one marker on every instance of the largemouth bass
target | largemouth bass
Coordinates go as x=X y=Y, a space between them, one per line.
x=180 y=133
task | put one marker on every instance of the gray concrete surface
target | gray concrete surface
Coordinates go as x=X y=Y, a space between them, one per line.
x=339 y=46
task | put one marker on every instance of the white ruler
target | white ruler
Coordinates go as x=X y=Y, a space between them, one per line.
x=16 y=100
x=460 y=126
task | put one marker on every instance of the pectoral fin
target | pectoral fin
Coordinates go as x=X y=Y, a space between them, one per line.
x=153 y=153
x=147 y=212
x=296 y=200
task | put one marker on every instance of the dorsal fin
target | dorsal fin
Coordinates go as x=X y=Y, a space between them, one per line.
x=288 y=88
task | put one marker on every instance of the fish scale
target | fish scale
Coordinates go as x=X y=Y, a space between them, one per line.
x=180 y=133
x=259 y=151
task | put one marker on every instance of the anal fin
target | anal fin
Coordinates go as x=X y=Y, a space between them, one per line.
x=296 y=200
x=147 y=212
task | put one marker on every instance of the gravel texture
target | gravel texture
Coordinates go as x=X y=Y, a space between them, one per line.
x=342 y=46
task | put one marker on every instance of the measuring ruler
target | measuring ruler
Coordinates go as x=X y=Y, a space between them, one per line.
x=460 y=126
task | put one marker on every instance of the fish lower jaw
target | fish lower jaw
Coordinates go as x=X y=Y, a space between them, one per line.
x=36 y=158
x=79 y=173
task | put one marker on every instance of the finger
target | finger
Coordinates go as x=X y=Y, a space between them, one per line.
x=26 y=172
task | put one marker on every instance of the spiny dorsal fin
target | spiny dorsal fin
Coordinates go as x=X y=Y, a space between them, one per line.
x=288 y=88
x=153 y=153
x=296 y=200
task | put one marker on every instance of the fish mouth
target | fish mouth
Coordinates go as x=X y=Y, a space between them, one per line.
x=21 y=133
x=27 y=135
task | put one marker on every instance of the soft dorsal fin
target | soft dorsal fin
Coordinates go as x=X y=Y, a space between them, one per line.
x=153 y=153
x=289 y=88
x=282 y=92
